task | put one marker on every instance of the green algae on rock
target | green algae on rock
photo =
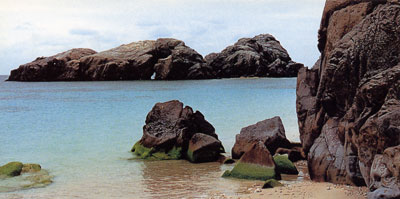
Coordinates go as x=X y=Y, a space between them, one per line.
x=152 y=154
x=272 y=183
x=284 y=165
x=11 y=169
x=29 y=168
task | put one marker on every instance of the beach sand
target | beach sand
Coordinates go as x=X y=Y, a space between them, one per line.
x=302 y=188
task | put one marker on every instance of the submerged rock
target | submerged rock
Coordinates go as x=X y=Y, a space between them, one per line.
x=272 y=183
x=256 y=164
x=270 y=132
x=260 y=56
x=348 y=104
x=11 y=169
x=176 y=132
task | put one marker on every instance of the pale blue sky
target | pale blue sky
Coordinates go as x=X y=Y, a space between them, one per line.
x=30 y=29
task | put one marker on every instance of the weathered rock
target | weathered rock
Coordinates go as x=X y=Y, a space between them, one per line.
x=29 y=168
x=270 y=132
x=385 y=174
x=284 y=165
x=60 y=67
x=257 y=163
x=348 y=105
x=295 y=152
x=272 y=183
x=170 y=59
x=204 y=148
x=260 y=56
x=11 y=169
x=168 y=134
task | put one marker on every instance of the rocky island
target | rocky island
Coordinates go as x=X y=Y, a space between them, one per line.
x=166 y=59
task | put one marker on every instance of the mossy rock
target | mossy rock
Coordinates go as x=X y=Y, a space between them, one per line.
x=253 y=172
x=29 y=168
x=11 y=169
x=152 y=154
x=272 y=183
x=226 y=174
x=284 y=165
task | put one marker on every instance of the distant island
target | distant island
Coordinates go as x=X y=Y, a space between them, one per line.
x=163 y=59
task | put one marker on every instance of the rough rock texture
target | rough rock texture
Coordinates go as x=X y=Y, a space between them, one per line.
x=63 y=66
x=170 y=131
x=348 y=104
x=257 y=163
x=260 y=56
x=11 y=169
x=270 y=132
x=170 y=59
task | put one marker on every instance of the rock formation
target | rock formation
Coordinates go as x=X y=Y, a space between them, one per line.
x=270 y=132
x=260 y=56
x=168 y=59
x=176 y=132
x=348 y=104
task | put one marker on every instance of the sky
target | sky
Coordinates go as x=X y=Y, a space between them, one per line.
x=34 y=28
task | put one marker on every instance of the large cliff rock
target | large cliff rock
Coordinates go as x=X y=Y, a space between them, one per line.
x=261 y=56
x=176 y=132
x=348 y=104
x=169 y=59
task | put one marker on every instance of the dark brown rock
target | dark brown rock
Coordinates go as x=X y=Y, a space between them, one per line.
x=204 y=148
x=171 y=128
x=260 y=56
x=294 y=154
x=270 y=132
x=60 y=67
x=348 y=105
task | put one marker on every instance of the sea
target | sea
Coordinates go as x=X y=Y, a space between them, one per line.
x=82 y=133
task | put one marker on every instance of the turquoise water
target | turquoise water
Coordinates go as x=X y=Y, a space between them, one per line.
x=81 y=132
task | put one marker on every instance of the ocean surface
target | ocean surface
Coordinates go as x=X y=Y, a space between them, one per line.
x=82 y=133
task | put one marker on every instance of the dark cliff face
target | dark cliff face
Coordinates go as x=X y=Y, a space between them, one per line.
x=168 y=59
x=348 y=104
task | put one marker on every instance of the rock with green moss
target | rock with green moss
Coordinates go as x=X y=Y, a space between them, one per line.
x=255 y=164
x=226 y=174
x=11 y=169
x=284 y=165
x=272 y=183
x=228 y=161
x=176 y=132
x=151 y=154
x=30 y=168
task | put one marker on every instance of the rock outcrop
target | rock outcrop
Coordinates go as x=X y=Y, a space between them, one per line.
x=348 y=104
x=270 y=132
x=257 y=163
x=260 y=56
x=176 y=132
x=166 y=59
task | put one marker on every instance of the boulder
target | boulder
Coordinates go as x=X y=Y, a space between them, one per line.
x=204 y=148
x=256 y=164
x=175 y=132
x=11 y=169
x=270 y=132
x=271 y=183
x=284 y=165
x=31 y=168
x=260 y=56
x=348 y=104
x=294 y=154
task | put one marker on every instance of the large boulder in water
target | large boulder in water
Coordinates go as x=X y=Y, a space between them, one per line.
x=11 y=169
x=348 y=104
x=270 y=132
x=260 y=56
x=171 y=130
x=257 y=164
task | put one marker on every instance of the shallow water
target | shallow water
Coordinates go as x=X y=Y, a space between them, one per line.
x=82 y=132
